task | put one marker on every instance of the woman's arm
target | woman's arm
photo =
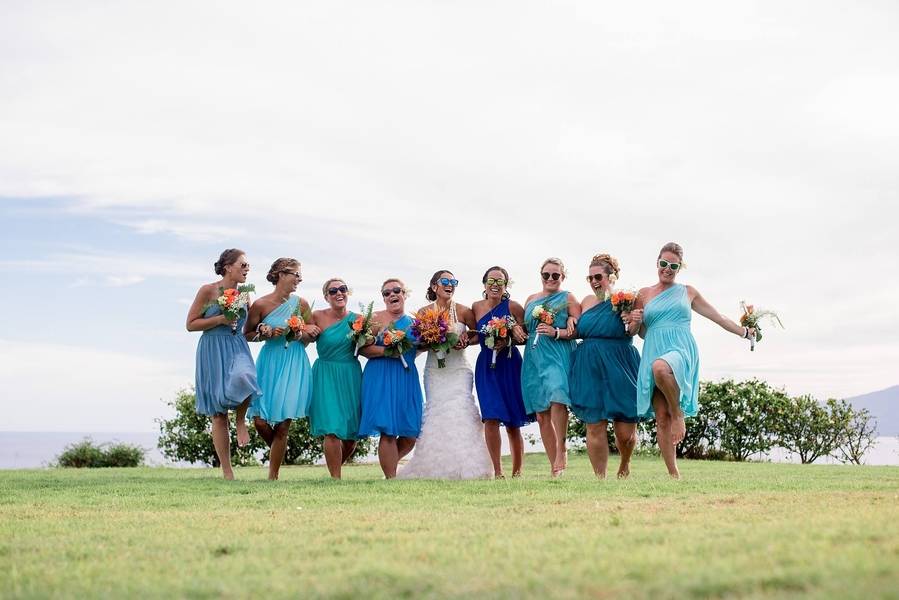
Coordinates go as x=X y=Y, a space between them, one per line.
x=701 y=306
x=195 y=319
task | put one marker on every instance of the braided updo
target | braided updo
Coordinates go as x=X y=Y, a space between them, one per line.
x=281 y=264
x=607 y=262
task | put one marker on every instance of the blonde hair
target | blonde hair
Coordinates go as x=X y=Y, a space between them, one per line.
x=555 y=261
x=328 y=283
x=399 y=281
x=608 y=262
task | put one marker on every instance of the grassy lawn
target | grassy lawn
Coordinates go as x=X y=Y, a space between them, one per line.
x=727 y=529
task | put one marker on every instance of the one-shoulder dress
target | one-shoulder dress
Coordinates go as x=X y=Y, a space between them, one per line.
x=546 y=367
x=285 y=375
x=499 y=389
x=391 y=393
x=336 y=384
x=604 y=369
x=225 y=375
x=667 y=319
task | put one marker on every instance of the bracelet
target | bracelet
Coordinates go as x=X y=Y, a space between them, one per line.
x=558 y=332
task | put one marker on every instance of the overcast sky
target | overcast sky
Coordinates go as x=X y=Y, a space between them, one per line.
x=138 y=140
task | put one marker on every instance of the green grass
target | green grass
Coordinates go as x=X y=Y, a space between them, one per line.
x=727 y=529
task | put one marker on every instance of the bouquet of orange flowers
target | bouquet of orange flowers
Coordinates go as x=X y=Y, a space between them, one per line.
x=544 y=313
x=234 y=302
x=623 y=300
x=751 y=318
x=496 y=329
x=361 y=329
x=296 y=323
x=431 y=327
x=396 y=343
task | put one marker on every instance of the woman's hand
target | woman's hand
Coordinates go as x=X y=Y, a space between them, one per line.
x=270 y=333
x=312 y=332
x=545 y=329
x=462 y=343
x=519 y=335
x=634 y=317
x=570 y=327
x=501 y=344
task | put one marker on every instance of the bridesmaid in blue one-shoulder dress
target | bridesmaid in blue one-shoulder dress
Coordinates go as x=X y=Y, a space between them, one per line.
x=668 y=381
x=391 y=393
x=225 y=375
x=547 y=362
x=282 y=367
x=604 y=372
x=499 y=387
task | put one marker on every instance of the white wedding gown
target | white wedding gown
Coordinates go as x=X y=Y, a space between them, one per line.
x=451 y=444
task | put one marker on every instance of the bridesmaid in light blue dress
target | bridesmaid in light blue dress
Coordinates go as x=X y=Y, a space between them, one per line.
x=391 y=394
x=225 y=375
x=604 y=372
x=282 y=367
x=547 y=362
x=668 y=381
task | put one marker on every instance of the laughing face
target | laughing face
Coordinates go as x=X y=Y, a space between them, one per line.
x=495 y=284
x=239 y=269
x=445 y=286
x=337 y=294
x=598 y=280
x=394 y=296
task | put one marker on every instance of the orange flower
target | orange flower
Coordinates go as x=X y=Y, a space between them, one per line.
x=358 y=323
x=294 y=322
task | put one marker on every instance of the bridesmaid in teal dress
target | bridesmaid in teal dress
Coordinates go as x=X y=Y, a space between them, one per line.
x=604 y=371
x=285 y=375
x=225 y=375
x=336 y=379
x=547 y=362
x=668 y=381
x=391 y=393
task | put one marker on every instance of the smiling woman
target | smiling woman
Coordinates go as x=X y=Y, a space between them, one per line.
x=283 y=367
x=225 y=376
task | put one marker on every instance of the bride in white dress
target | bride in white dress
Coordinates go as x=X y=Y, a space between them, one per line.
x=451 y=444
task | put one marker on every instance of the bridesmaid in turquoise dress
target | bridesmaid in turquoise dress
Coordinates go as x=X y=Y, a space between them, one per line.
x=604 y=372
x=668 y=381
x=225 y=376
x=391 y=393
x=282 y=367
x=499 y=388
x=336 y=379
x=547 y=362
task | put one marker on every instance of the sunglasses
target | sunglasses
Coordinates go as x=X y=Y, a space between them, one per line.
x=492 y=281
x=294 y=273
x=596 y=277
x=664 y=263
x=333 y=291
x=445 y=281
x=554 y=276
x=394 y=290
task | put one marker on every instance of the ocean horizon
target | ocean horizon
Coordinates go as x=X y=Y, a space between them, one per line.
x=38 y=449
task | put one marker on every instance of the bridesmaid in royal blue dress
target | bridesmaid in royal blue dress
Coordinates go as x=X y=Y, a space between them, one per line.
x=668 y=382
x=225 y=375
x=391 y=393
x=547 y=362
x=499 y=388
x=604 y=371
x=282 y=367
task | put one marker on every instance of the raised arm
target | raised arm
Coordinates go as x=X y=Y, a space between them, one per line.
x=701 y=306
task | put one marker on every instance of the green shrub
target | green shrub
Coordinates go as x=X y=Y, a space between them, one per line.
x=86 y=454
x=859 y=437
x=810 y=429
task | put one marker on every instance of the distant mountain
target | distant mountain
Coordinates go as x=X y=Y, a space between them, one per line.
x=884 y=406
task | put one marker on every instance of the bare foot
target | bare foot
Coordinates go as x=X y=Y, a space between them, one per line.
x=558 y=470
x=516 y=474
x=624 y=471
x=243 y=436
x=675 y=475
x=229 y=475
x=678 y=430
x=599 y=475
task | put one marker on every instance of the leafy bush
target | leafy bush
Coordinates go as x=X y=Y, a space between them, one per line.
x=859 y=437
x=811 y=429
x=86 y=454
x=188 y=437
x=742 y=416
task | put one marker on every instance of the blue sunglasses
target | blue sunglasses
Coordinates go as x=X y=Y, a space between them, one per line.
x=445 y=281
